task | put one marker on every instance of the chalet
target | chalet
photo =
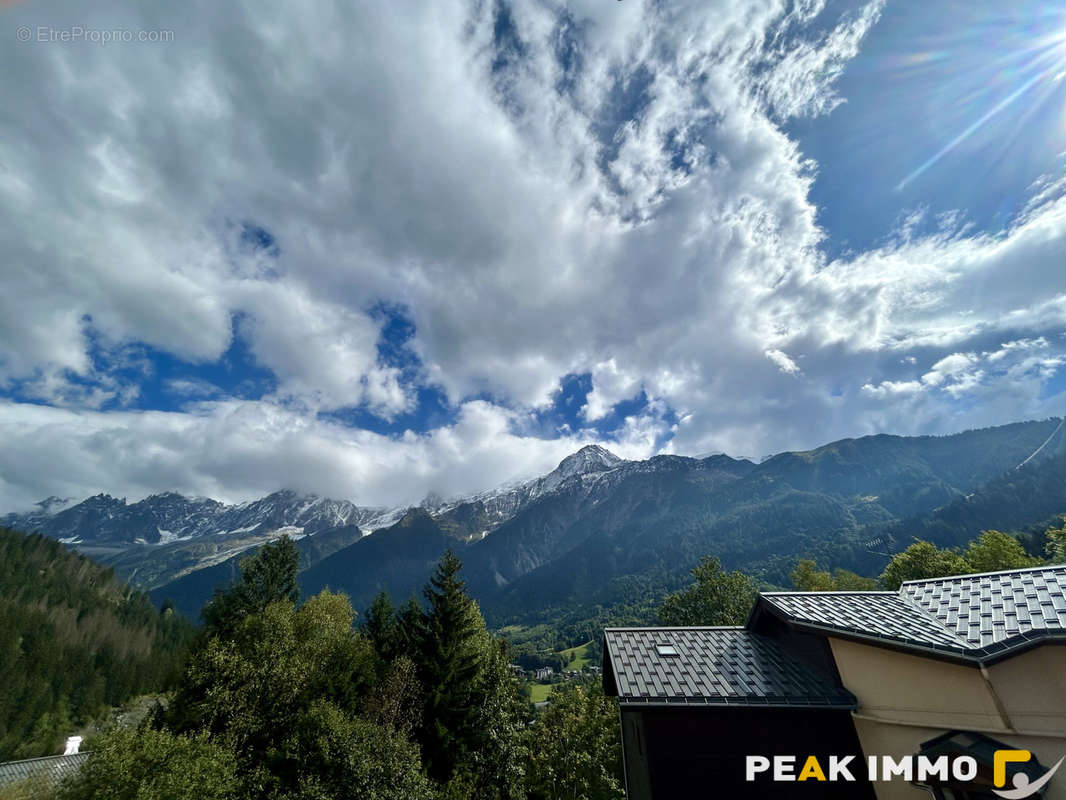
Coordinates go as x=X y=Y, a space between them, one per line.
x=959 y=666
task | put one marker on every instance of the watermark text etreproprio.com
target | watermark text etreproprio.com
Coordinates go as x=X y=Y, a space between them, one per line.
x=78 y=33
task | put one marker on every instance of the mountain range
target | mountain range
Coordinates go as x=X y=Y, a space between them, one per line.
x=597 y=526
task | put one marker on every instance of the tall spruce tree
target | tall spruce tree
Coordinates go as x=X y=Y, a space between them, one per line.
x=380 y=624
x=451 y=660
x=266 y=577
x=410 y=629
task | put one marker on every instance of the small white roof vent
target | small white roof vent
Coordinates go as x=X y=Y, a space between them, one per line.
x=73 y=743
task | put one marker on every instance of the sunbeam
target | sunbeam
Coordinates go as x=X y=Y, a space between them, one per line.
x=1042 y=59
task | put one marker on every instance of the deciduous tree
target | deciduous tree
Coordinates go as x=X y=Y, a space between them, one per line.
x=993 y=550
x=717 y=598
x=808 y=578
x=1056 y=544
x=575 y=747
x=154 y=765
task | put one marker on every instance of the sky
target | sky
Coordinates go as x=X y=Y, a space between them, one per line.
x=375 y=251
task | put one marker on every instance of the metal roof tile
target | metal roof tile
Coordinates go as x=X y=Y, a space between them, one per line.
x=57 y=767
x=715 y=665
x=966 y=614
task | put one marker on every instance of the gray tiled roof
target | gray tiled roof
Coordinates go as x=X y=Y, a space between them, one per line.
x=880 y=614
x=970 y=616
x=988 y=609
x=721 y=666
x=57 y=767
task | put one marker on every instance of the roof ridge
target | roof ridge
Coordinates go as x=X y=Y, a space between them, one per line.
x=844 y=591
x=928 y=613
x=680 y=628
x=1016 y=571
x=43 y=758
x=928 y=620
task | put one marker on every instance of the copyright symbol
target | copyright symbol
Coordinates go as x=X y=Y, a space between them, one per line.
x=23 y=33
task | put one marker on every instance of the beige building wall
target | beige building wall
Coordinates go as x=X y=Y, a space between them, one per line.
x=905 y=700
x=1032 y=688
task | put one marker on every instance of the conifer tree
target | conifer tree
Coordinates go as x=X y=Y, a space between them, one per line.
x=380 y=625
x=450 y=663
x=266 y=577
x=410 y=629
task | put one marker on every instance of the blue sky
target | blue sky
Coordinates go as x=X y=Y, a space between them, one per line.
x=925 y=75
x=434 y=249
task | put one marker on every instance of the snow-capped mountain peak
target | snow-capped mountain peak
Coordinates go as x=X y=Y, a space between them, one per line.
x=53 y=504
x=590 y=458
x=168 y=516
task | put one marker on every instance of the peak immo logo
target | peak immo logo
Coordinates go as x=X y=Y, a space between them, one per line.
x=1023 y=786
x=920 y=769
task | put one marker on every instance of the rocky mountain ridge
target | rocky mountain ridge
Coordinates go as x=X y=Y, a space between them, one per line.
x=576 y=532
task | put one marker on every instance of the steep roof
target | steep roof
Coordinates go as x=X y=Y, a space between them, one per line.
x=711 y=666
x=56 y=767
x=983 y=617
x=991 y=608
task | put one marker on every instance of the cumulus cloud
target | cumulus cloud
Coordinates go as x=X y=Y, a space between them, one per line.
x=238 y=450
x=549 y=189
x=610 y=386
x=783 y=362
x=1007 y=382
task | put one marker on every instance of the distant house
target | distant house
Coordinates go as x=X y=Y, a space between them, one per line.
x=544 y=673
x=55 y=767
x=950 y=666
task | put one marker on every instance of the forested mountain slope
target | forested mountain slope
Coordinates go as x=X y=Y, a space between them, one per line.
x=843 y=504
x=73 y=641
x=597 y=525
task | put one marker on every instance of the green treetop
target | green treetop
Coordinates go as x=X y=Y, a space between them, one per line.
x=450 y=662
x=717 y=598
x=808 y=578
x=266 y=577
x=1056 y=544
x=990 y=552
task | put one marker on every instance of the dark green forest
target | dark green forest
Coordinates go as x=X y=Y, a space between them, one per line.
x=307 y=700
x=74 y=642
x=285 y=691
x=278 y=697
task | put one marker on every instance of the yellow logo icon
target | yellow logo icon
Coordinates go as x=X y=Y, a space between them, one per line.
x=1022 y=785
x=999 y=764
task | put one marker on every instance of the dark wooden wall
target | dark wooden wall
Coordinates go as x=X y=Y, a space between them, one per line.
x=690 y=752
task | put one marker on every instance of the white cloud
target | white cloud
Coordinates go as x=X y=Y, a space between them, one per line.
x=1004 y=384
x=236 y=451
x=803 y=77
x=634 y=211
x=193 y=388
x=949 y=367
x=892 y=388
x=610 y=386
x=783 y=361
